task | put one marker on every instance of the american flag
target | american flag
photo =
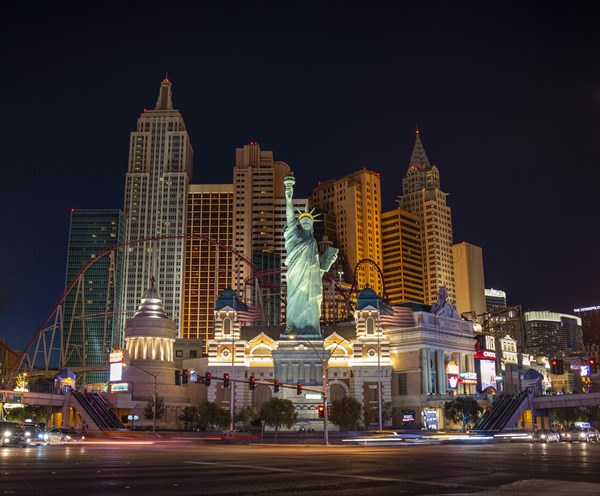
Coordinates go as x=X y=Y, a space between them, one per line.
x=393 y=316
x=249 y=314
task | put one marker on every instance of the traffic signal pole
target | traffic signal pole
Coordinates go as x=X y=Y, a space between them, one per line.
x=325 y=419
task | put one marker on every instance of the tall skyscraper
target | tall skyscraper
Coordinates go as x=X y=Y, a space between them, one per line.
x=91 y=322
x=208 y=266
x=590 y=324
x=402 y=256
x=468 y=276
x=159 y=170
x=259 y=221
x=422 y=196
x=552 y=334
x=354 y=201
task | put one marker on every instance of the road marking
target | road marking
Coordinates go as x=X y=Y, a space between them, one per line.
x=349 y=476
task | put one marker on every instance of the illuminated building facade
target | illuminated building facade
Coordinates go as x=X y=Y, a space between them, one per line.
x=422 y=196
x=590 y=324
x=259 y=221
x=494 y=299
x=551 y=334
x=159 y=170
x=468 y=276
x=93 y=297
x=208 y=266
x=354 y=204
x=402 y=257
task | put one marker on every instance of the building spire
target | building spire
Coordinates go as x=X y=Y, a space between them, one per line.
x=419 y=157
x=165 y=101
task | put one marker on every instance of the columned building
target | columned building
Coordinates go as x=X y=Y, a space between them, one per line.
x=416 y=361
x=156 y=184
x=422 y=196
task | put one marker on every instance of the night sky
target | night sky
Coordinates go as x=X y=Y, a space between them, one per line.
x=506 y=96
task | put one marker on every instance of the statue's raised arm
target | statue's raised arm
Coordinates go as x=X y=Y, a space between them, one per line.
x=305 y=267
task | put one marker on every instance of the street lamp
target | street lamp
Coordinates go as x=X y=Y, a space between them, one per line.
x=154 y=400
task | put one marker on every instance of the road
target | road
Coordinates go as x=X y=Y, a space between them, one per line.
x=194 y=468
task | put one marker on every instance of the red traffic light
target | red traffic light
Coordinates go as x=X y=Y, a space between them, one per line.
x=321 y=409
x=252 y=382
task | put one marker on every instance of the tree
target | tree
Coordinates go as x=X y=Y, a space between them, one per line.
x=463 y=411
x=149 y=408
x=568 y=416
x=278 y=413
x=212 y=417
x=345 y=413
x=37 y=413
x=188 y=416
x=246 y=415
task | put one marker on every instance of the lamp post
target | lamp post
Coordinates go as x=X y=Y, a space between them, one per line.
x=154 y=400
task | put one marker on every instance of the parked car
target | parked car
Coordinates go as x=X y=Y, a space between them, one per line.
x=61 y=436
x=34 y=434
x=545 y=436
x=11 y=434
x=584 y=434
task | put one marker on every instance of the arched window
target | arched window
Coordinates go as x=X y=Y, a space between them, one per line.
x=226 y=326
x=370 y=325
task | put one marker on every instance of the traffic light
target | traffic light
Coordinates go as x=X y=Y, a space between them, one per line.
x=225 y=381
x=276 y=385
x=178 y=377
x=252 y=382
x=207 y=379
x=185 y=376
x=321 y=409
x=299 y=388
x=593 y=366
x=554 y=366
x=560 y=368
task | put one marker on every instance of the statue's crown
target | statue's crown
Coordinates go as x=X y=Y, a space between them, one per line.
x=308 y=214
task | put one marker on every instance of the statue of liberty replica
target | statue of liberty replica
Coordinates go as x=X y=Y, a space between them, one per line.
x=305 y=269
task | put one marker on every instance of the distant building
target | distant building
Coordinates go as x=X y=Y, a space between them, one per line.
x=422 y=196
x=258 y=223
x=468 y=275
x=552 y=334
x=94 y=297
x=505 y=321
x=402 y=253
x=354 y=204
x=590 y=324
x=494 y=299
x=156 y=184
x=208 y=264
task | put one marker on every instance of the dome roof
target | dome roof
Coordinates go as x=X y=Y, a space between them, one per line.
x=152 y=305
x=367 y=297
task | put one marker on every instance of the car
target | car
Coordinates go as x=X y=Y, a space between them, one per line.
x=34 y=434
x=64 y=435
x=11 y=434
x=545 y=436
x=585 y=434
x=566 y=434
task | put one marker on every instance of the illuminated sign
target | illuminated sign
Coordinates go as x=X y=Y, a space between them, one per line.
x=312 y=396
x=468 y=378
x=408 y=416
x=586 y=309
x=485 y=355
x=116 y=356
x=452 y=382
x=486 y=374
x=13 y=398
x=119 y=387
x=490 y=343
x=452 y=368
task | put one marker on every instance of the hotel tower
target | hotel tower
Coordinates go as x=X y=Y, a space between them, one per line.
x=159 y=170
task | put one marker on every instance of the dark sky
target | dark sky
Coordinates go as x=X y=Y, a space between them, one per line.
x=506 y=96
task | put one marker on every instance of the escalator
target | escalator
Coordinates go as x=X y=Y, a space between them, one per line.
x=97 y=411
x=501 y=412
